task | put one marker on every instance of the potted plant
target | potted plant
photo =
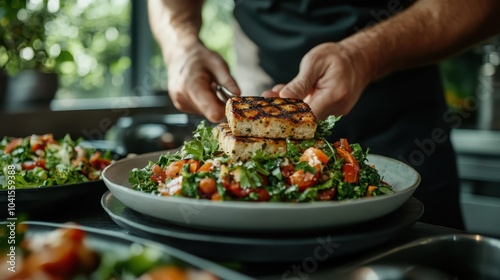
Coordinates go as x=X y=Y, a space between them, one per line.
x=27 y=62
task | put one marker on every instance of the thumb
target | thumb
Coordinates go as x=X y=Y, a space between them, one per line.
x=301 y=85
x=298 y=88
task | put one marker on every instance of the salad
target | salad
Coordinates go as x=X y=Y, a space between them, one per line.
x=66 y=253
x=41 y=161
x=308 y=171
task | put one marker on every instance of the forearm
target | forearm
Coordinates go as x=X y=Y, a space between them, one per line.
x=175 y=23
x=426 y=32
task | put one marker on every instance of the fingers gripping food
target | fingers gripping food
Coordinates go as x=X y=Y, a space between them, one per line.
x=227 y=162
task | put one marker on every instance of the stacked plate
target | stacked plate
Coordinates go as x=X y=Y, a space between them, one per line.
x=264 y=231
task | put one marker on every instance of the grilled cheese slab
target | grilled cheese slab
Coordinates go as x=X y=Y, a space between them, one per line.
x=242 y=148
x=270 y=117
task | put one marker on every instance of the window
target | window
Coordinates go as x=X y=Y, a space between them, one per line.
x=100 y=49
x=107 y=63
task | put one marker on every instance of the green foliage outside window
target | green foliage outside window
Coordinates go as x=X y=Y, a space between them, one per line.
x=84 y=42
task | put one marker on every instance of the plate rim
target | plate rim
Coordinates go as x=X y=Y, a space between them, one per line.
x=254 y=204
x=211 y=236
x=281 y=216
x=191 y=259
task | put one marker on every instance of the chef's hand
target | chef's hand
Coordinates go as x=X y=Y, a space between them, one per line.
x=331 y=78
x=192 y=74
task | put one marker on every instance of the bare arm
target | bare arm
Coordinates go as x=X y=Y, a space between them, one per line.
x=193 y=69
x=175 y=23
x=428 y=31
x=332 y=76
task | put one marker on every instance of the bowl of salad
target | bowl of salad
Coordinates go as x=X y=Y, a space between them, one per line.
x=309 y=186
x=70 y=251
x=39 y=172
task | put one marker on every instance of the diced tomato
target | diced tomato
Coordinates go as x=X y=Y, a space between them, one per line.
x=29 y=165
x=101 y=163
x=48 y=139
x=37 y=146
x=74 y=234
x=287 y=171
x=348 y=157
x=264 y=180
x=263 y=194
x=350 y=173
x=194 y=165
x=208 y=186
x=235 y=188
x=95 y=157
x=216 y=197
x=169 y=273
x=314 y=154
x=344 y=144
x=14 y=143
x=174 y=169
x=98 y=162
x=58 y=261
x=303 y=179
x=350 y=167
x=206 y=167
x=328 y=194
x=370 y=190
x=158 y=175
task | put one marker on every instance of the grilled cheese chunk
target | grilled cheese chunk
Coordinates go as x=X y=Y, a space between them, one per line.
x=270 y=118
x=242 y=148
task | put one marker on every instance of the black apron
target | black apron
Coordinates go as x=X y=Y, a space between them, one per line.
x=403 y=116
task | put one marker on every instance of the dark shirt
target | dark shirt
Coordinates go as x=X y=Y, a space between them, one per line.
x=403 y=116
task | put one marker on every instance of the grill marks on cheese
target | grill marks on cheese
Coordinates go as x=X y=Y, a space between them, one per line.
x=270 y=118
x=259 y=123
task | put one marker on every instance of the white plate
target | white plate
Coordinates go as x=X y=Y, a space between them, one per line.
x=262 y=216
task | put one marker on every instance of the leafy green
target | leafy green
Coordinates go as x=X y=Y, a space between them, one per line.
x=42 y=163
x=268 y=171
x=140 y=178
x=325 y=126
x=204 y=145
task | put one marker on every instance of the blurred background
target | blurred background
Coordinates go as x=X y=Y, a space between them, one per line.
x=92 y=69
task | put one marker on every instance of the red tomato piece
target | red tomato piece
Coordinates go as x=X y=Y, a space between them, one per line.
x=174 y=169
x=287 y=171
x=348 y=157
x=194 y=165
x=235 y=189
x=328 y=194
x=14 y=143
x=206 y=167
x=29 y=165
x=263 y=194
x=304 y=180
x=158 y=175
x=314 y=154
x=208 y=186
x=350 y=173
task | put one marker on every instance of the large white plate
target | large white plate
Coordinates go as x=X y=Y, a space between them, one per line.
x=262 y=216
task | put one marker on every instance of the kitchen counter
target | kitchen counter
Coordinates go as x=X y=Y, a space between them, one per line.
x=94 y=216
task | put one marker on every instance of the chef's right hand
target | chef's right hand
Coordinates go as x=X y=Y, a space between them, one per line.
x=192 y=73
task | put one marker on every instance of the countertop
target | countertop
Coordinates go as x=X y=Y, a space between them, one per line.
x=93 y=215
